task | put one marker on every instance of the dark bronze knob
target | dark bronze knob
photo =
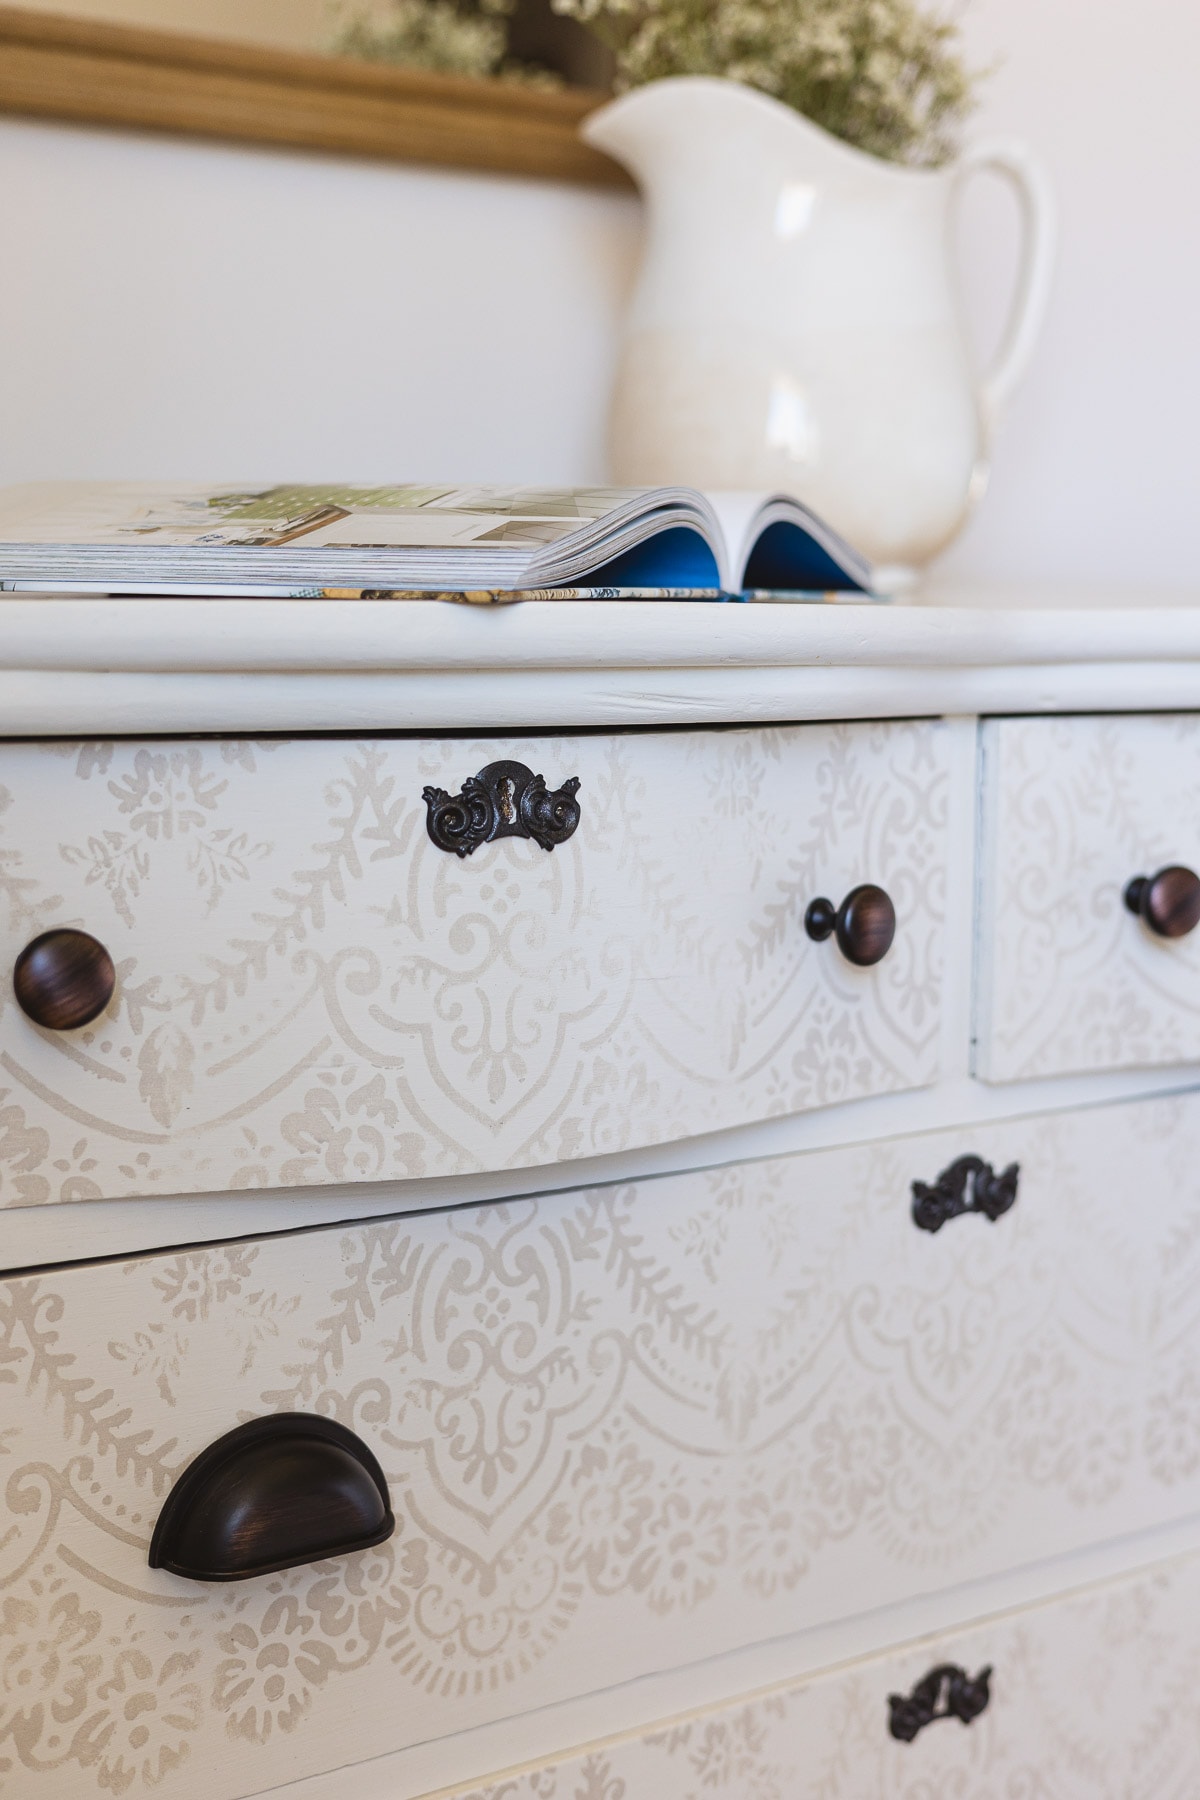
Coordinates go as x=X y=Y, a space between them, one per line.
x=1169 y=902
x=865 y=924
x=272 y=1494
x=64 y=979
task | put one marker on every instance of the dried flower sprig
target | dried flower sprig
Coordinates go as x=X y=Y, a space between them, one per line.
x=450 y=37
x=884 y=75
x=430 y=34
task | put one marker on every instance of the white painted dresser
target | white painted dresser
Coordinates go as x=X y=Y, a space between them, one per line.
x=757 y=1347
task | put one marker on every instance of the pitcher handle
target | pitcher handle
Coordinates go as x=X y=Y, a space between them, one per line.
x=1036 y=200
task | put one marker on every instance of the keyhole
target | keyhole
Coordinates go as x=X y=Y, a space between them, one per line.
x=506 y=800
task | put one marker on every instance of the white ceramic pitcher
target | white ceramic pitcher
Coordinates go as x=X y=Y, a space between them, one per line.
x=796 y=323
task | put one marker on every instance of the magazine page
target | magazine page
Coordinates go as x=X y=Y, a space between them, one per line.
x=179 y=516
x=739 y=514
x=777 y=544
x=127 y=536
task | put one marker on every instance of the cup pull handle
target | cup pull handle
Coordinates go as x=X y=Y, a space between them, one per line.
x=968 y=1185
x=1029 y=181
x=288 y=1489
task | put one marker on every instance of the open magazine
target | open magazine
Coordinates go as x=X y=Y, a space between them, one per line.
x=107 y=537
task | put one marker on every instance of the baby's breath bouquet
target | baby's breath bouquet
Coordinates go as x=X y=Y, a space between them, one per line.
x=884 y=75
x=451 y=38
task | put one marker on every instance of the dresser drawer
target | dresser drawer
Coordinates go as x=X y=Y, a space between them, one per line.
x=1095 y=1697
x=622 y=1429
x=309 y=990
x=1070 y=979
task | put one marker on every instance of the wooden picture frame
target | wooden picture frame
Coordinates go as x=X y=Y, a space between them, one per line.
x=55 y=67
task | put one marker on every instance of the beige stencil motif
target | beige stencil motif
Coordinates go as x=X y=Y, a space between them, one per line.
x=624 y=1429
x=1070 y=980
x=310 y=992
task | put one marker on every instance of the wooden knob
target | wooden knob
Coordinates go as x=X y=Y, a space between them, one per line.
x=1169 y=902
x=64 y=979
x=865 y=924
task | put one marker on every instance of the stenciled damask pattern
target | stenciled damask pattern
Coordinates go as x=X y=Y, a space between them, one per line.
x=311 y=992
x=623 y=1429
x=1096 y=1697
x=1070 y=980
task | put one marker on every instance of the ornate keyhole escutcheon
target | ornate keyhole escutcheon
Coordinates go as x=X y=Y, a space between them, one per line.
x=947 y=1692
x=504 y=800
x=968 y=1185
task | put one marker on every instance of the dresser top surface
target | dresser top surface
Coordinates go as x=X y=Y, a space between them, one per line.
x=946 y=623
x=78 y=666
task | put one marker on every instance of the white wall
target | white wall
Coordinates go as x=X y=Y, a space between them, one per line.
x=1097 y=472
x=169 y=308
x=176 y=309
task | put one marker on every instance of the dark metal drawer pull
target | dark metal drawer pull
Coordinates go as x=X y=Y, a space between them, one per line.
x=865 y=924
x=64 y=979
x=1169 y=902
x=960 y=1697
x=504 y=800
x=969 y=1185
x=289 y=1489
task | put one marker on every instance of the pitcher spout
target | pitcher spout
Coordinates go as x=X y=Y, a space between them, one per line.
x=701 y=125
x=691 y=120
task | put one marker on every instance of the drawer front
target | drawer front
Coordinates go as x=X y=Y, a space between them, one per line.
x=310 y=991
x=623 y=1429
x=1096 y=1697
x=1070 y=979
